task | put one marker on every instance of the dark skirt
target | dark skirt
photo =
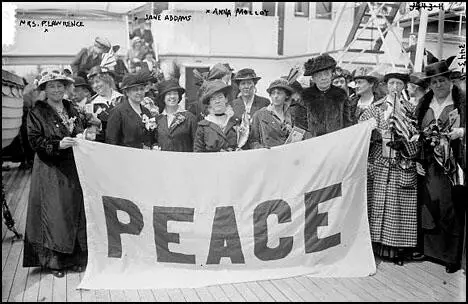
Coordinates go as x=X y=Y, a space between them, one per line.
x=390 y=252
x=442 y=216
x=38 y=256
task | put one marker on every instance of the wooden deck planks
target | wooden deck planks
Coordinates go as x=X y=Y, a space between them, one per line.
x=232 y=293
x=204 y=294
x=259 y=292
x=190 y=295
x=246 y=293
x=13 y=275
x=73 y=280
x=146 y=295
x=416 y=281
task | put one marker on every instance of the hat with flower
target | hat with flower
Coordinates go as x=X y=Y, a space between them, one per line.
x=53 y=75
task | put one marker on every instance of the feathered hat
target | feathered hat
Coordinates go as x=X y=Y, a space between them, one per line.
x=320 y=63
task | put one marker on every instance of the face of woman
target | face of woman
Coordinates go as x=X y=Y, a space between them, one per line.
x=55 y=90
x=440 y=85
x=362 y=86
x=278 y=97
x=395 y=86
x=137 y=93
x=218 y=103
x=247 y=87
x=171 y=99
x=340 y=82
x=323 y=79
x=99 y=86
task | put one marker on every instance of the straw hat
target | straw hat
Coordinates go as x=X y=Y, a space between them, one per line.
x=53 y=75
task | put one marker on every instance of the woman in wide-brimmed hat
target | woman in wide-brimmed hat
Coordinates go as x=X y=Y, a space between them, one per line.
x=220 y=131
x=441 y=115
x=176 y=127
x=131 y=124
x=272 y=125
x=106 y=98
x=392 y=176
x=366 y=83
x=55 y=237
x=248 y=102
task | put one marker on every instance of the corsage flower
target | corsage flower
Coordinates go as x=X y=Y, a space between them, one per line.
x=69 y=123
x=150 y=123
x=178 y=119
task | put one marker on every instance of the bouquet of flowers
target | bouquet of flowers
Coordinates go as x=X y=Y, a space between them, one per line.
x=437 y=139
x=149 y=123
x=69 y=123
x=149 y=104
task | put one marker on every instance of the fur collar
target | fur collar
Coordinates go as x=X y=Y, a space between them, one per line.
x=334 y=94
x=457 y=95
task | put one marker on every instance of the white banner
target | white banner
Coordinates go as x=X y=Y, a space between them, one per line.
x=185 y=220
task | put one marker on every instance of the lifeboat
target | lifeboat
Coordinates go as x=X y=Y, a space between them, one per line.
x=12 y=106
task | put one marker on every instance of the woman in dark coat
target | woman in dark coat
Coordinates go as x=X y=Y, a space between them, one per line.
x=272 y=125
x=218 y=131
x=176 y=128
x=442 y=198
x=130 y=124
x=328 y=107
x=55 y=235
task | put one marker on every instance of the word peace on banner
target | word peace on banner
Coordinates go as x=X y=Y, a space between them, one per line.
x=186 y=220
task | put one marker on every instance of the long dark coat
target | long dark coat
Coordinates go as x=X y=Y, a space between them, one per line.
x=180 y=135
x=55 y=216
x=210 y=137
x=125 y=127
x=443 y=205
x=326 y=111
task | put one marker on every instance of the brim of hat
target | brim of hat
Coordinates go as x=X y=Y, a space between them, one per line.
x=111 y=73
x=287 y=88
x=247 y=78
x=371 y=78
x=310 y=73
x=133 y=85
x=439 y=74
x=84 y=85
x=115 y=48
x=402 y=77
x=180 y=90
x=42 y=85
x=226 y=89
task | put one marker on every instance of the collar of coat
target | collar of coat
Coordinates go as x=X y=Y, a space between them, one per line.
x=459 y=102
x=231 y=122
x=333 y=93
x=67 y=104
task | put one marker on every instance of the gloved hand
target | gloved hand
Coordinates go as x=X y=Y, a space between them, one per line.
x=397 y=145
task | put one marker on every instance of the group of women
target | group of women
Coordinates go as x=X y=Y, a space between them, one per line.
x=55 y=230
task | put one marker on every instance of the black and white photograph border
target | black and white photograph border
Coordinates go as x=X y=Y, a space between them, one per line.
x=230 y=77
